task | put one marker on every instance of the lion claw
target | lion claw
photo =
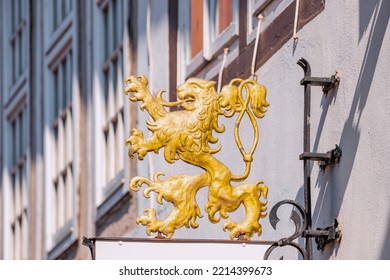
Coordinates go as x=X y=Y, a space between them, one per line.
x=241 y=231
x=136 y=142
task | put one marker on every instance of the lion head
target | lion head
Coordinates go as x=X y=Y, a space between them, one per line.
x=195 y=93
x=199 y=96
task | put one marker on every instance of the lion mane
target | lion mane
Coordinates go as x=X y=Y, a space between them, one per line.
x=190 y=130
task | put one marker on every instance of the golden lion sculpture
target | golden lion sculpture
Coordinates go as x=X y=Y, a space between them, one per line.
x=185 y=135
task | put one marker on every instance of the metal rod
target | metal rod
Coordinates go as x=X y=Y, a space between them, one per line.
x=306 y=149
x=316 y=233
x=316 y=156
x=183 y=240
x=319 y=81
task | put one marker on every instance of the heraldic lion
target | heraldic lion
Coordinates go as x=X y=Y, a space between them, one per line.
x=185 y=135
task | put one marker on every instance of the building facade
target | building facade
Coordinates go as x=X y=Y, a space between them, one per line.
x=64 y=116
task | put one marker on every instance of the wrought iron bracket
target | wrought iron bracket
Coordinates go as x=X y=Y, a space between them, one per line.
x=326 y=83
x=90 y=243
x=302 y=214
x=324 y=159
x=324 y=236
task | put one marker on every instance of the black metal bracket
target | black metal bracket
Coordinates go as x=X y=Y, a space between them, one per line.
x=324 y=236
x=302 y=214
x=326 y=83
x=90 y=243
x=324 y=159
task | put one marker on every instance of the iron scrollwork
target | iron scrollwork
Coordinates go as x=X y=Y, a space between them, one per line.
x=299 y=217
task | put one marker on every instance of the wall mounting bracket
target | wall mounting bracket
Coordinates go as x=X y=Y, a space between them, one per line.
x=302 y=214
x=326 y=83
x=324 y=159
x=325 y=235
x=90 y=243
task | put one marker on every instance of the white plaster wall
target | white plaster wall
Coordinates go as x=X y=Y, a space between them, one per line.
x=356 y=116
x=353 y=38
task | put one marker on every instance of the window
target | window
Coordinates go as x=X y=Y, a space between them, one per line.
x=63 y=143
x=270 y=9
x=19 y=187
x=17 y=40
x=196 y=27
x=15 y=191
x=61 y=126
x=206 y=27
x=111 y=128
x=60 y=10
x=58 y=23
x=222 y=26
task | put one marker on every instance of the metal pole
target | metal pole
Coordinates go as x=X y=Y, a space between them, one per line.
x=306 y=148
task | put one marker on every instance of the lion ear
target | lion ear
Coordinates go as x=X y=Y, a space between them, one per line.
x=204 y=83
x=143 y=79
x=210 y=84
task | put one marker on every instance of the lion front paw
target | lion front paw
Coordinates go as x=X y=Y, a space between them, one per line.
x=137 y=86
x=136 y=143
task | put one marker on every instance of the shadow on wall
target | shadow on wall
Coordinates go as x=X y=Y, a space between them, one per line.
x=379 y=12
x=385 y=254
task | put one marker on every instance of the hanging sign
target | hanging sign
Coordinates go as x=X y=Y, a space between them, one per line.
x=175 y=249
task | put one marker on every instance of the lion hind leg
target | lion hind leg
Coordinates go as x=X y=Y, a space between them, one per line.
x=149 y=219
x=255 y=208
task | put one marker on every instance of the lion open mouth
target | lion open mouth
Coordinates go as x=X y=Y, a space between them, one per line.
x=186 y=99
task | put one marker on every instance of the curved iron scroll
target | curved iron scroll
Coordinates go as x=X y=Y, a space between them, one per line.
x=300 y=221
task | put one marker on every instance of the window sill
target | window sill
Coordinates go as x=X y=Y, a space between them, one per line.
x=113 y=192
x=270 y=9
x=63 y=239
x=18 y=93
x=224 y=40
x=59 y=32
x=195 y=64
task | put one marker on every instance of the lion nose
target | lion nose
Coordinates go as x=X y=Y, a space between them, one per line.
x=179 y=92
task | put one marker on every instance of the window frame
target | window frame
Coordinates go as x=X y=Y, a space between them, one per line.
x=270 y=9
x=18 y=166
x=273 y=36
x=58 y=44
x=15 y=109
x=53 y=33
x=17 y=33
x=212 y=48
x=109 y=184
x=63 y=129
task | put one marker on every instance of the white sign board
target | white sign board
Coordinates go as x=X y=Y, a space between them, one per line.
x=147 y=249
